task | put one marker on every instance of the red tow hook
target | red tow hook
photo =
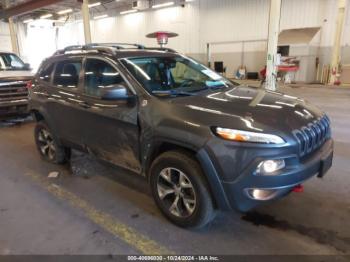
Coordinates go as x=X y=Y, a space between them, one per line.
x=298 y=189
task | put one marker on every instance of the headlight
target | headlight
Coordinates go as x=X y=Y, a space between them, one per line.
x=245 y=136
x=268 y=167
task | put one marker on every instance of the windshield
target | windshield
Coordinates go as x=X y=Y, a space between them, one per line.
x=174 y=75
x=11 y=62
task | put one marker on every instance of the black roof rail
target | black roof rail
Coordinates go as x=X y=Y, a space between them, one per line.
x=118 y=45
x=85 y=48
x=73 y=47
x=109 y=48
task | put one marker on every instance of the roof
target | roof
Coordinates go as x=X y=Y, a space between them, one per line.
x=123 y=54
x=115 y=50
x=142 y=53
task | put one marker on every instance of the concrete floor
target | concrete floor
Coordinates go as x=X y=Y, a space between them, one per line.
x=92 y=208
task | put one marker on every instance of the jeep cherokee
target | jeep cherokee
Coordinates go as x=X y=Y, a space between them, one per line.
x=203 y=142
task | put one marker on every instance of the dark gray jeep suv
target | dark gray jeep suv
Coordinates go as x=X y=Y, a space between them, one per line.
x=203 y=142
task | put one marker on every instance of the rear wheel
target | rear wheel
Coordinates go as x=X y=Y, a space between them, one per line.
x=48 y=146
x=180 y=189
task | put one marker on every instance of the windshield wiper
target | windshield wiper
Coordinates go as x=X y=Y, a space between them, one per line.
x=172 y=93
x=212 y=88
x=215 y=85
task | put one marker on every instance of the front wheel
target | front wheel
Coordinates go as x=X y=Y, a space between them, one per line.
x=180 y=190
x=48 y=146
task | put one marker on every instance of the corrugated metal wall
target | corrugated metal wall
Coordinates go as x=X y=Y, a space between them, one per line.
x=346 y=33
x=134 y=27
x=204 y=21
x=227 y=20
x=303 y=13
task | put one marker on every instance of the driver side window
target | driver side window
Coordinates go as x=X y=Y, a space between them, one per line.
x=98 y=75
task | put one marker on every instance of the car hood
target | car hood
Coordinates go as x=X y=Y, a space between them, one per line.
x=20 y=74
x=247 y=108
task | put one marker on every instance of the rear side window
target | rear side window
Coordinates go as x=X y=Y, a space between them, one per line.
x=46 y=73
x=67 y=73
x=99 y=75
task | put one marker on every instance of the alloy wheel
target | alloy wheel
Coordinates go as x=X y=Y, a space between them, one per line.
x=46 y=144
x=176 y=192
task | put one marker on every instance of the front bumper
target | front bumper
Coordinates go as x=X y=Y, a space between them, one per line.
x=14 y=95
x=238 y=179
x=14 y=108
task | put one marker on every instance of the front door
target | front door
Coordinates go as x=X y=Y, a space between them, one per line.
x=110 y=128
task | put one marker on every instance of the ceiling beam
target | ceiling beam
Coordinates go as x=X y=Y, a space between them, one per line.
x=25 y=7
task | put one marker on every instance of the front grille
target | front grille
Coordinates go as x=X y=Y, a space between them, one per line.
x=13 y=92
x=313 y=135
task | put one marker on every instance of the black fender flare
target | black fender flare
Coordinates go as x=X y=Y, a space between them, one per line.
x=208 y=167
x=42 y=112
x=213 y=179
x=46 y=118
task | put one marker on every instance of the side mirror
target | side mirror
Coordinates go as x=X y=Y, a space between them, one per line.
x=117 y=92
x=27 y=66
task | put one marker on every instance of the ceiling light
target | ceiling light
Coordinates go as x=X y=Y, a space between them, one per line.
x=163 y=5
x=100 y=16
x=62 y=19
x=65 y=11
x=45 y=16
x=94 y=4
x=128 y=12
x=28 y=21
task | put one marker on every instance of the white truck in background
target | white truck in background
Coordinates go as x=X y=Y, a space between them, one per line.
x=15 y=76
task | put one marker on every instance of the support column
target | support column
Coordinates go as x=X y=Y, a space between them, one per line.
x=86 y=21
x=208 y=55
x=13 y=35
x=337 y=42
x=274 y=27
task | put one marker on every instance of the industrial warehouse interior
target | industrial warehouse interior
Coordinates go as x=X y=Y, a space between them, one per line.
x=174 y=130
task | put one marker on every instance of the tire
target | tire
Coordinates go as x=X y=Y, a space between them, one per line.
x=48 y=146
x=189 y=205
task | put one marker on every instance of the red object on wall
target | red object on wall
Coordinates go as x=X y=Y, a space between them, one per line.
x=288 y=68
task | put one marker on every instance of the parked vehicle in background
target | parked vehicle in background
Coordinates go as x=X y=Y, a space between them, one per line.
x=15 y=76
x=203 y=142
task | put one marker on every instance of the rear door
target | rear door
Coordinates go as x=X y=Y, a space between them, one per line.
x=110 y=128
x=63 y=100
